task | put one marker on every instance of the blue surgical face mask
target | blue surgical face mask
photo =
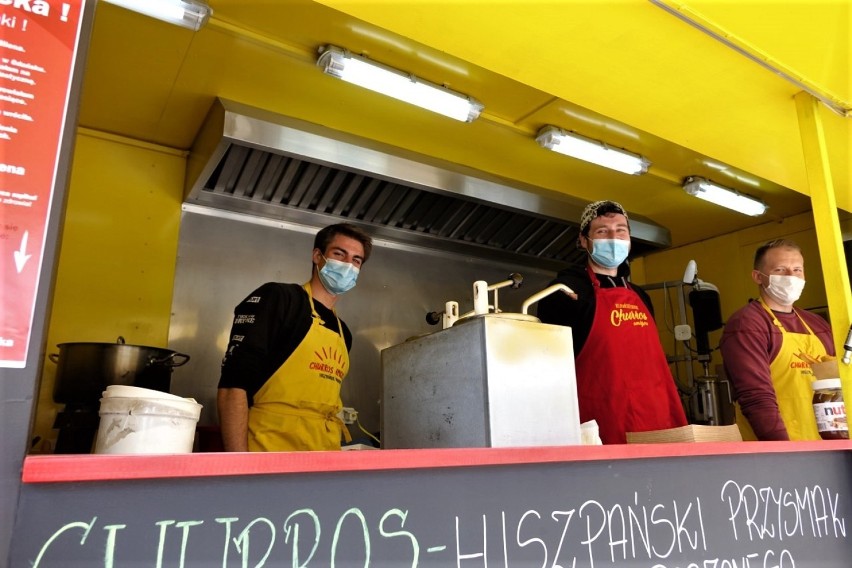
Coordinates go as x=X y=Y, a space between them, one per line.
x=338 y=277
x=609 y=253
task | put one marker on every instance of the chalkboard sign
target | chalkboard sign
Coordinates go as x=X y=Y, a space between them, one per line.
x=779 y=510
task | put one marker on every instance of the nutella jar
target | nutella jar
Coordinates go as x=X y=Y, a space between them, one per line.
x=829 y=409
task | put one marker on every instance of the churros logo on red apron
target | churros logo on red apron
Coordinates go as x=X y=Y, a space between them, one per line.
x=329 y=364
x=627 y=314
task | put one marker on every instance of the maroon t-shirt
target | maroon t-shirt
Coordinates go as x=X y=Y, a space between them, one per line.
x=749 y=343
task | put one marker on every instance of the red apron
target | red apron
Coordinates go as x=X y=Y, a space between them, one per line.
x=623 y=379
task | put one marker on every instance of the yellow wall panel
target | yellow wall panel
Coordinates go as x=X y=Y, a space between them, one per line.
x=117 y=258
x=727 y=262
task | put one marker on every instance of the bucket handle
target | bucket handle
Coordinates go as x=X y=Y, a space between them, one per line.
x=169 y=360
x=54 y=357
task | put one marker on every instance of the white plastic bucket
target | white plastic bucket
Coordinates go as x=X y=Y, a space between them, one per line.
x=142 y=425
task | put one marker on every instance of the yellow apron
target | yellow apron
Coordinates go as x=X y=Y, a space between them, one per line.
x=792 y=379
x=296 y=409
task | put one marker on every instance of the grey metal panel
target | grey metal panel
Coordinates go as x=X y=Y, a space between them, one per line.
x=223 y=256
x=383 y=188
x=489 y=381
x=435 y=391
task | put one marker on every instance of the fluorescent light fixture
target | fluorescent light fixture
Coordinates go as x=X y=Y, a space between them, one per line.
x=591 y=150
x=360 y=71
x=726 y=197
x=185 y=13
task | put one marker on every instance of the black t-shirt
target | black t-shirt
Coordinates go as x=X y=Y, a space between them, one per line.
x=268 y=326
x=579 y=314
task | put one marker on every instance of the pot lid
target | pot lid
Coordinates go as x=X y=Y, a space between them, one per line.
x=502 y=315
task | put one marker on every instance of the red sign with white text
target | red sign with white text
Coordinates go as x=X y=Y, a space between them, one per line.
x=38 y=46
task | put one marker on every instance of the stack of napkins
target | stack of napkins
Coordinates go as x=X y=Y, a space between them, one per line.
x=689 y=433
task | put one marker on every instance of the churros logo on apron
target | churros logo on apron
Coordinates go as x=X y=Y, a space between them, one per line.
x=626 y=314
x=329 y=364
x=801 y=366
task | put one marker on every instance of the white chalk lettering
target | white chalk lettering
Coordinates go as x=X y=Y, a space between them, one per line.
x=555 y=516
x=531 y=540
x=415 y=547
x=768 y=513
x=294 y=527
x=227 y=521
x=109 y=554
x=243 y=540
x=365 y=532
x=747 y=525
x=483 y=554
x=87 y=527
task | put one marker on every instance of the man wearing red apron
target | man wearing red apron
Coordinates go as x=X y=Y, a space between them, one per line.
x=623 y=379
x=289 y=353
x=765 y=347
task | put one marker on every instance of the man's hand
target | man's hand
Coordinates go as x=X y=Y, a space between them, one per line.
x=233 y=419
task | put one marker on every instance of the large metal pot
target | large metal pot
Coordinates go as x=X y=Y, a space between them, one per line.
x=84 y=370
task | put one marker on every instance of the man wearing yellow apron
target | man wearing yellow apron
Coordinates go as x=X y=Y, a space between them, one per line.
x=288 y=355
x=765 y=347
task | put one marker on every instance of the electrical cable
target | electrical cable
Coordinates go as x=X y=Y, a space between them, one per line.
x=669 y=324
x=692 y=349
x=669 y=318
x=358 y=422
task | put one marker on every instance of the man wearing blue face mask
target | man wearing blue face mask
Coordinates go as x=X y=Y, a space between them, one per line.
x=289 y=353
x=623 y=379
x=765 y=346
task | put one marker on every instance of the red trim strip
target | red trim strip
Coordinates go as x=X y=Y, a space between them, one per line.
x=71 y=468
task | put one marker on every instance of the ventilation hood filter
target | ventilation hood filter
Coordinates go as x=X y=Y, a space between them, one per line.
x=250 y=161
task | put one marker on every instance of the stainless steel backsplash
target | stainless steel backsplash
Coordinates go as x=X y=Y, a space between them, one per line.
x=223 y=256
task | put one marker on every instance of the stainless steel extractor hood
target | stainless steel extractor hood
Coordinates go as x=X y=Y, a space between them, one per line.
x=251 y=161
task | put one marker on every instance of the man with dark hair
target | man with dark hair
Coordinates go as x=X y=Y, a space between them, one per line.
x=765 y=346
x=623 y=380
x=288 y=354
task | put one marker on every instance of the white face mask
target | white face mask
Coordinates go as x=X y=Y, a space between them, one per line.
x=784 y=289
